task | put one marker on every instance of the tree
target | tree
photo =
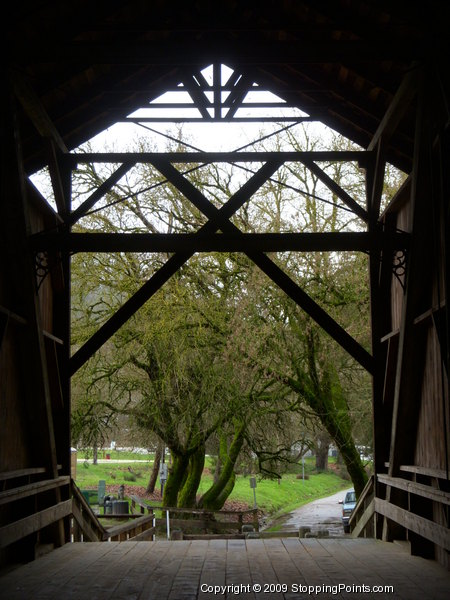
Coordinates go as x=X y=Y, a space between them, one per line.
x=300 y=354
x=219 y=350
x=155 y=469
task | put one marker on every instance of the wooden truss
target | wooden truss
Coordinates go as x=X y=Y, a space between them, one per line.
x=395 y=506
x=230 y=239
x=214 y=95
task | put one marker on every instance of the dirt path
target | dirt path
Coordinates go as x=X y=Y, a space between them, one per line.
x=320 y=514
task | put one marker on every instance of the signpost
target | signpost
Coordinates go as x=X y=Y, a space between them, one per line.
x=163 y=474
x=253 y=487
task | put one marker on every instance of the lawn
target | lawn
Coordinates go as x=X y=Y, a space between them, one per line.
x=129 y=473
x=272 y=496
x=288 y=493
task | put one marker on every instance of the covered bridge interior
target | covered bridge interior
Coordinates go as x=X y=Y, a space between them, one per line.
x=374 y=71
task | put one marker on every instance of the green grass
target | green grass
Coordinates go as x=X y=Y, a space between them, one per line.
x=287 y=493
x=113 y=474
x=116 y=455
x=274 y=497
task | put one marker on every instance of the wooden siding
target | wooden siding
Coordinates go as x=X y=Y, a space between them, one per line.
x=15 y=451
x=433 y=425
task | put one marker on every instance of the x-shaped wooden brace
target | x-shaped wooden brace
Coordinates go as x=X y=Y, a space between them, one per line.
x=219 y=219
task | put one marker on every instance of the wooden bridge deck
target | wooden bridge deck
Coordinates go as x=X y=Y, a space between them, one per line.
x=187 y=570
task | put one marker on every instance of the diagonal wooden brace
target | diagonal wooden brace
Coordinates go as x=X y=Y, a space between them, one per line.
x=274 y=272
x=174 y=263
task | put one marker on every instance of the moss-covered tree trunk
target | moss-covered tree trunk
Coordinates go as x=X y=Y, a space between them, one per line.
x=174 y=481
x=215 y=497
x=351 y=458
x=187 y=495
x=323 y=393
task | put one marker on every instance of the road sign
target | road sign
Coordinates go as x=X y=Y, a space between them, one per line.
x=163 y=472
x=253 y=487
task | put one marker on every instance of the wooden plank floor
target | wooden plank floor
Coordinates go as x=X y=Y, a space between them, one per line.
x=189 y=570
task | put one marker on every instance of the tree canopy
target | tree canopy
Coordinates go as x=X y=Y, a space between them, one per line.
x=220 y=356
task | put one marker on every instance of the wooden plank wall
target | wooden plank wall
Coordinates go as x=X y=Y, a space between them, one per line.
x=413 y=513
x=31 y=407
x=430 y=450
x=17 y=447
x=411 y=485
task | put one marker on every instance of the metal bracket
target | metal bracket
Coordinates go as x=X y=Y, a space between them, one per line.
x=43 y=266
x=399 y=265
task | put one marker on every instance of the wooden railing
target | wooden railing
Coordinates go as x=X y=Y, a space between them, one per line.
x=199 y=520
x=435 y=532
x=87 y=526
x=361 y=520
x=27 y=483
x=436 y=493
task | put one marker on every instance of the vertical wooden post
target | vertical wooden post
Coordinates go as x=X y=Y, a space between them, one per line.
x=62 y=321
x=374 y=188
x=255 y=519
x=374 y=184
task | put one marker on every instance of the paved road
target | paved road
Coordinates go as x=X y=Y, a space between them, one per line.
x=325 y=513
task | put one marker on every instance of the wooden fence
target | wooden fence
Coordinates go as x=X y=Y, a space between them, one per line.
x=362 y=518
x=40 y=490
x=371 y=509
x=87 y=526
x=197 y=521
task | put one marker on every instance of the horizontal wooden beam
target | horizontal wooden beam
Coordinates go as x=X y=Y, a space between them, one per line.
x=21 y=473
x=419 y=489
x=225 y=119
x=209 y=104
x=427 y=471
x=32 y=489
x=204 y=523
x=246 y=53
x=19 y=529
x=115 y=517
x=216 y=157
x=216 y=242
x=424 y=527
